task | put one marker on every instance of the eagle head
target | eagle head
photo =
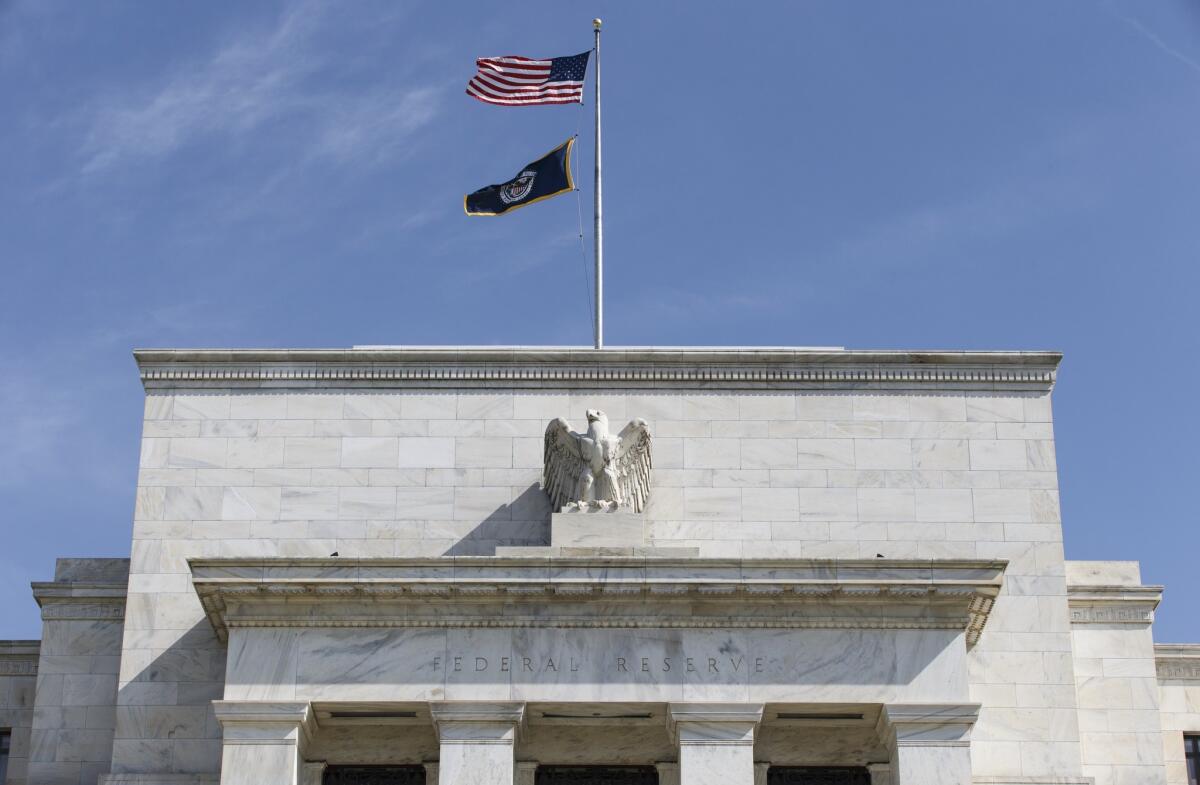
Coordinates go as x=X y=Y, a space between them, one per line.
x=597 y=423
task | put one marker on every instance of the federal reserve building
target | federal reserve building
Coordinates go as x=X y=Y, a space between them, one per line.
x=550 y=566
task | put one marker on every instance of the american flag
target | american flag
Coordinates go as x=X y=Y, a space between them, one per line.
x=522 y=81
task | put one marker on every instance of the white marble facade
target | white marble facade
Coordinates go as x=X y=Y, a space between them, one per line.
x=847 y=559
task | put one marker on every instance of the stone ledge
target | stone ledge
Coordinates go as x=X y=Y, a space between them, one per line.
x=1119 y=604
x=19 y=658
x=548 y=367
x=80 y=600
x=598 y=592
x=1177 y=661
x=553 y=552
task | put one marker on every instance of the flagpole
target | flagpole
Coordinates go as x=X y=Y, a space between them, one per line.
x=599 y=227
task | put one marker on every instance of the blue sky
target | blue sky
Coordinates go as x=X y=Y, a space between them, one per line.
x=875 y=175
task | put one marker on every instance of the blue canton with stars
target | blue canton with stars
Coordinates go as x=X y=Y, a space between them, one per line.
x=569 y=69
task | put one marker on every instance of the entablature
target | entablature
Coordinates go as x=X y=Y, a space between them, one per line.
x=598 y=592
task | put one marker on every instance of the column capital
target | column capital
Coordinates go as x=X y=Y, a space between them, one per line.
x=511 y=712
x=477 y=722
x=256 y=720
x=312 y=772
x=526 y=772
x=714 y=723
x=941 y=724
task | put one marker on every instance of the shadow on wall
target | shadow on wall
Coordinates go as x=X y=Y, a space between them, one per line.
x=165 y=721
x=523 y=522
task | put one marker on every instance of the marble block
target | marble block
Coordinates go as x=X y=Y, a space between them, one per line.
x=599 y=529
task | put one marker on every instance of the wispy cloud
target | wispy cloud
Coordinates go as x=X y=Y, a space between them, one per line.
x=920 y=234
x=251 y=82
x=559 y=247
x=38 y=417
x=1155 y=39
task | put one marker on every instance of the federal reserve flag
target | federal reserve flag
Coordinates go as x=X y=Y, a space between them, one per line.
x=548 y=176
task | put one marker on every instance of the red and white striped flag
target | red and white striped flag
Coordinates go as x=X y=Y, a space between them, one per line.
x=522 y=81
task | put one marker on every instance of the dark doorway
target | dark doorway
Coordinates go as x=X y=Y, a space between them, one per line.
x=813 y=775
x=597 y=775
x=375 y=775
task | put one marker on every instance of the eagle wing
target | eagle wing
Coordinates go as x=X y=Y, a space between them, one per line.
x=633 y=464
x=564 y=463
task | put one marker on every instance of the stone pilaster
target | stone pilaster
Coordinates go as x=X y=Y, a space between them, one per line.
x=930 y=743
x=668 y=773
x=527 y=772
x=431 y=773
x=716 y=742
x=760 y=772
x=881 y=773
x=478 y=742
x=263 y=742
x=83 y=621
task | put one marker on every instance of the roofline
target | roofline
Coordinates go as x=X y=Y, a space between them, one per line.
x=657 y=354
x=459 y=367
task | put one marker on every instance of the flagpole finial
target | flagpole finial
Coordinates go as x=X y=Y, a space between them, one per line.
x=596 y=23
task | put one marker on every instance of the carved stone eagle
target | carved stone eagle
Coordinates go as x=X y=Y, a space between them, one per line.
x=597 y=467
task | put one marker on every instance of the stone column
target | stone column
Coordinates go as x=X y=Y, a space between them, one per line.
x=263 y=742
x=760 y=772
x=431 y=773
x=930 y=743
x=668 y=773
x=312 y=773
x=716 y=742
x=881 y=773
x=478 y=742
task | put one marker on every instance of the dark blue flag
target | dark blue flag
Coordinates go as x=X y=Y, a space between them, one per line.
x=548 y=176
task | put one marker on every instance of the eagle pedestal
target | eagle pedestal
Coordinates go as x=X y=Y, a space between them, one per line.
x=597 y=529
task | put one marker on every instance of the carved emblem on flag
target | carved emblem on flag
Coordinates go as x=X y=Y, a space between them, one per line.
x=519 y=188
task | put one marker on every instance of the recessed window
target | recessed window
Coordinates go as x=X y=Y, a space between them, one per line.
x=814 y=775
x=597 y=775
x=375 y=775
x=5 y=746
x=1191 y=748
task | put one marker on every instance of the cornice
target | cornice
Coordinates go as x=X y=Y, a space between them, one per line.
x=612 y=592
x=1118 y=604
x=80 y=600
x=1177 y=661
x=534 y=367
x=19 y=658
